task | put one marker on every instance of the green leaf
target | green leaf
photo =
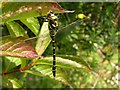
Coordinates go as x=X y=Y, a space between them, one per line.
x=6 y=83
x=32 y=23
x=76 y=59
x=46 y=70
x=44 y=66
x=23 y=62
x=9 y=63
x=16 y=83
x=66 y=63
x=33 y=72
x=43 y=40
x=15 y=29
x=17 y=47
x=21 y=10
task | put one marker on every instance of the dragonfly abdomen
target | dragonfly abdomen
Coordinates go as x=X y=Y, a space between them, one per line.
x=52 y=35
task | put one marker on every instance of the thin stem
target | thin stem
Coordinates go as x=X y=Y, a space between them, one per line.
x=19 y=70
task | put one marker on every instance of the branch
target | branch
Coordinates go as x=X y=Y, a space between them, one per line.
x=19 y=70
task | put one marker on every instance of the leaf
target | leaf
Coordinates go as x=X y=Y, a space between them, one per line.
x=43 y=40
x=66 y=63
x=15 y=29
x=33 y=72
x=73 y=60
x=76 y=59
x=47 y=71
x=17 y=47
x=21 y=10
x=44 y=66
x=32 y=23
x=6 y=83
x=16 y=83
x=9 y=63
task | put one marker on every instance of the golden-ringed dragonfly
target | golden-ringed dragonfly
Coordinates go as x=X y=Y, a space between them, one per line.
x=53 y=27
x=52 y=23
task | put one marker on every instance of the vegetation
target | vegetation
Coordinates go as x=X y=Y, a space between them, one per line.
x=86 y=45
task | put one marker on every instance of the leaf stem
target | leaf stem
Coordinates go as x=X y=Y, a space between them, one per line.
x=19 y=70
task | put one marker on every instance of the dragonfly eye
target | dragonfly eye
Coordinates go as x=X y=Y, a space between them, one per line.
x=51 y=16
x=50 y=13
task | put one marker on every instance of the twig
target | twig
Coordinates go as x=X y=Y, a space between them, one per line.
x=19 y=70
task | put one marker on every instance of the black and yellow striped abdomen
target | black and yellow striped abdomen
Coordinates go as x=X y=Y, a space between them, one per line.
x=53 y=27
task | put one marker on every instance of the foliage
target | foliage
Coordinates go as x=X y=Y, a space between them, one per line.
x=86 y=45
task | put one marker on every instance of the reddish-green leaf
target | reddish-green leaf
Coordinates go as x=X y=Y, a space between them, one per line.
x=17 y=47
x=29 y=9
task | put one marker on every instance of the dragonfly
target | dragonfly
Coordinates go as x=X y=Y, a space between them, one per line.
x=52 y=21
x=54 y=31
x=53 y=27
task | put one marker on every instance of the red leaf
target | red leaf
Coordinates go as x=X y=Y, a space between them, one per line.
x=17 y=47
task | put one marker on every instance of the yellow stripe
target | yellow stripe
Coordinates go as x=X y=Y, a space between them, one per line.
x=53 y=35
x=53 y=41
